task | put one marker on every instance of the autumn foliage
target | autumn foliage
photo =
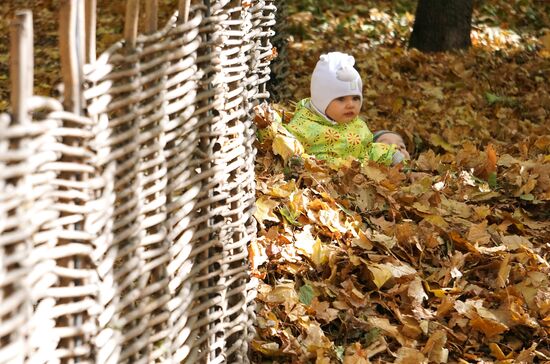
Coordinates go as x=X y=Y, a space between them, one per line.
x=445 y=260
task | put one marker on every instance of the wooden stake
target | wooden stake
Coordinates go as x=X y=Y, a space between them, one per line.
x=131 y=22
x=21 y=64
x=183 y=10
x=91 y=21
x=71 y=46
x=151 y=16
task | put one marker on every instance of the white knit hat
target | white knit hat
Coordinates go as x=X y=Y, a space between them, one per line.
x=334 y=76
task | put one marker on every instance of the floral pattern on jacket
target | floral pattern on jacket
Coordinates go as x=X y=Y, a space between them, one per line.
x=336 y=143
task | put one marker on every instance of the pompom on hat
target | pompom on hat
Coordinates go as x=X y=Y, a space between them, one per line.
x=334 y=76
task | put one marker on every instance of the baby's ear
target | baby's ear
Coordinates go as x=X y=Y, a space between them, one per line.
x=350 y=60
x=346 y=73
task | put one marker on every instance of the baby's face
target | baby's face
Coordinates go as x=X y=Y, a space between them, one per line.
x=392 y=138
x=344 y=109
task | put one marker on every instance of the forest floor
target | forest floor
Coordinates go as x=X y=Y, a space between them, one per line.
x=365 y=264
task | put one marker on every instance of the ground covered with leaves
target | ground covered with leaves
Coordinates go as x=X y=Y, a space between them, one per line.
x=442 y=261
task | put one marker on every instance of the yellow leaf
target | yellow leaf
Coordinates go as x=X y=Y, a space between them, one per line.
x=433 y=91
x=438 y=292
x=436 y=220
x=305 y=241
x=316 y=338
x=504 y=271
x=282 y=293
x=438 y=141
x=286 y=147
x=320 y=253
x=397 y=105
x=487 y=326
x=264 y=210
x=374 y=173
x=433 y=106
x=545 y=41
x=420 y=207
x=362 y=241
x=481 y=318
x=266 y=348
x=283 y=190
x=380 y=274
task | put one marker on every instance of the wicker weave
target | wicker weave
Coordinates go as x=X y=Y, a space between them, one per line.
x=124 y=232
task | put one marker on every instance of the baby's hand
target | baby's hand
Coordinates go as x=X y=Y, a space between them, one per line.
x=398 y=157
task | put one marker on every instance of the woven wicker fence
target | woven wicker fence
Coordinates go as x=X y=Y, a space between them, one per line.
x=126 y=207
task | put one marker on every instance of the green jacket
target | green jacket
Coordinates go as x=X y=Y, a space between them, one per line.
x=336 y=143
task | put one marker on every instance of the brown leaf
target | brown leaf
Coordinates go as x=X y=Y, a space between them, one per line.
x=435 y=347
x=478 y=234
x=410 y=356
x=323 y=311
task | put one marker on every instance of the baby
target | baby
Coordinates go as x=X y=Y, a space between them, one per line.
x=392 y=138
x=328 y=124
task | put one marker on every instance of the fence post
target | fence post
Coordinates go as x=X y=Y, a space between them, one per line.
x=91 y=19
x=131 y=22
x=183 y=10
x=21 y=65
x=151 y=16
x=15 y=201
x=71 y=44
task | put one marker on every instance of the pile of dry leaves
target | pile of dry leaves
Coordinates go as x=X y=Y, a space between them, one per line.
x=442 y=261
x=445 y=261
x=449 y=263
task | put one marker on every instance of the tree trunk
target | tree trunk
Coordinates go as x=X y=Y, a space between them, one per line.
x=442 y=25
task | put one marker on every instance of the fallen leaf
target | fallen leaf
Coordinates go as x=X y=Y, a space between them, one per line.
x=264 y=210
x=410 y=356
